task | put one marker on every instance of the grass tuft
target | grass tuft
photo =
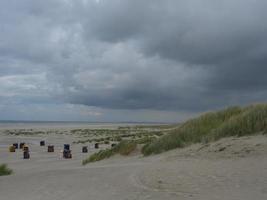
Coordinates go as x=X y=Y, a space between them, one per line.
x=4 y=170
x=102 y=154
x=125 y=147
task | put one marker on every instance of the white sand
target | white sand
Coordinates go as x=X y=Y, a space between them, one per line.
x=229 y=169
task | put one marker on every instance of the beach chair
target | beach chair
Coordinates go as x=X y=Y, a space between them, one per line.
x=26 y=155
x=50 y=148
x=16 y=145
x=67 y=154
x=21 y=145
x=12 y=148
x=66 y=146
x=96 y=145
x=25 y=148
x=85 y=149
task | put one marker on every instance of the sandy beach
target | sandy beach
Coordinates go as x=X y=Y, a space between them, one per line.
x=232 y=168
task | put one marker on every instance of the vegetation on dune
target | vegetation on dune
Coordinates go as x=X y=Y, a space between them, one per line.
x=102 y=136
x=233 y=121
x=4 y=170
x=102 y=154
x=145 y=140
x=124 y=148
x=252 y=120
x=125 y=138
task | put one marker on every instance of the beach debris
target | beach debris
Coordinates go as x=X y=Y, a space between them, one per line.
x=12 y=148
x=50 y=148
x=21 y=145
x=42 y=143
x=96 y=145
x=85 y=149
x=67 y=154
x=16 y=145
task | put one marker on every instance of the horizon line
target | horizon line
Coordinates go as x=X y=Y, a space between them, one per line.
x=69 y=121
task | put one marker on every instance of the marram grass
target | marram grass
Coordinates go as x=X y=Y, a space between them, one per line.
x=233 y=121
x=125 y=147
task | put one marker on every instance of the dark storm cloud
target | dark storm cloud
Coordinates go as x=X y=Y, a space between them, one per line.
x=135 y=54
x=209 y=33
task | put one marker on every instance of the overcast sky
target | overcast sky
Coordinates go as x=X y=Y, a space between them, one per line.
x=130 y=60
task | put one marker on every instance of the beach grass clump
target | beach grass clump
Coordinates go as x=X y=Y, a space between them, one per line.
x=102 y=154
x=106 y=142
x=162 y=144
x=233 y=121
x=4 y=170
x=118 y=138
x=123 y=148
x=145 y=140
x=252 y=121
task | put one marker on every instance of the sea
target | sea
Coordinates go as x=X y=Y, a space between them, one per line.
x=67 y=124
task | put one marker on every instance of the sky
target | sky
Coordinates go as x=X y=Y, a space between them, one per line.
x=130 y=60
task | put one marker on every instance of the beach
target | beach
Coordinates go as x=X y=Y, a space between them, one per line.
x=231 y=168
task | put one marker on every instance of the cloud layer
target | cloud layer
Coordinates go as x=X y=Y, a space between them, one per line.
x=128 y=55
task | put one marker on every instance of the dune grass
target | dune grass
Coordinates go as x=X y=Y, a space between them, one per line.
x=102 y=154
x=123 y=148
x=145 y=140
x=4 y=170
x=233 y=121
x=252 y=120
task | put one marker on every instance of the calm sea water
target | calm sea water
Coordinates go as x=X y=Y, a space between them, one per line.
x=45 y=124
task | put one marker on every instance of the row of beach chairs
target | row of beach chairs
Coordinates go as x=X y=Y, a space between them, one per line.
x=50 y=149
